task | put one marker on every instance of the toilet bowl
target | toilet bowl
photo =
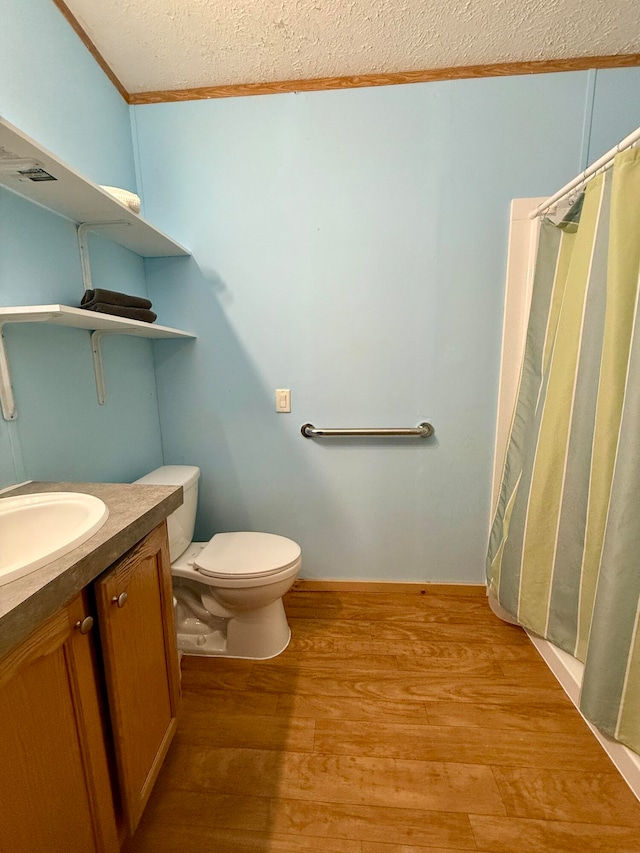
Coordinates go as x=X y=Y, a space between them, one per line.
x=228 y=591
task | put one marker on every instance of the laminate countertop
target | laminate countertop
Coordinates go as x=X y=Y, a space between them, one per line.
x=134 y=511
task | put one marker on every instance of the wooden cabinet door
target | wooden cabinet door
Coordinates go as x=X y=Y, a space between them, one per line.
x=134 y=601
x=55 y=791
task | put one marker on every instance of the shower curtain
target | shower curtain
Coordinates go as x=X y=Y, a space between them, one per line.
x=564 y=552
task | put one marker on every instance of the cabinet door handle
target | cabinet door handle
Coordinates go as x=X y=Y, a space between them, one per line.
x=84 y=625
x=120 y=600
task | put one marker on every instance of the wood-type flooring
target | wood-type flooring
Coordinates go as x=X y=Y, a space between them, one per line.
x=395 y=722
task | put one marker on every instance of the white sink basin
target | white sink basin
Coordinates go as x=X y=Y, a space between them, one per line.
x=37 y=529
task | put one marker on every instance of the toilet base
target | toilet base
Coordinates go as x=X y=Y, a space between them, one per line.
x=253 y=635
x=215 y=646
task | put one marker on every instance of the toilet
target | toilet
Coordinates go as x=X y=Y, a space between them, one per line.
x=228 y=591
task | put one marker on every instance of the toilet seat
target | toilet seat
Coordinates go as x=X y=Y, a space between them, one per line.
x=245 y=555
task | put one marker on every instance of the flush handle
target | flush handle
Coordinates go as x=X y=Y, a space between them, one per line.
x=120 y=600
x=84 y=625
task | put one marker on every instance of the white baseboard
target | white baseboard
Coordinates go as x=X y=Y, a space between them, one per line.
x=569 y=671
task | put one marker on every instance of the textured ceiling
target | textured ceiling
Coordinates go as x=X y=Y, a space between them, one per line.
x=175 y=44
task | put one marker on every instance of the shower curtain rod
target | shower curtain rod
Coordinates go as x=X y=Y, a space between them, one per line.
x=599 y=166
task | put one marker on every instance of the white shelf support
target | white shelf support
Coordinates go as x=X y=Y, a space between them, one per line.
x=6 y=389
x=96 y=338
x=7 y=399
x=83 y=246
x=96 y=351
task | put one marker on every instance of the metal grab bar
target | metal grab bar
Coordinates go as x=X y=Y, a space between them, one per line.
x=423 y=430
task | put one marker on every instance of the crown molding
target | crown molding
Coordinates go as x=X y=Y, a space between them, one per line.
x=503 y=69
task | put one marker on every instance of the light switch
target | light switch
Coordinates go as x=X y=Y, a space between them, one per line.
x=283 y=400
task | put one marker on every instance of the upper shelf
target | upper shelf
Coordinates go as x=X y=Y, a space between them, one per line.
x=76 y=197
x=79 y=318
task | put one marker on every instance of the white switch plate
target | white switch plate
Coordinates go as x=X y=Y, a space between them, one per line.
x=283 y=400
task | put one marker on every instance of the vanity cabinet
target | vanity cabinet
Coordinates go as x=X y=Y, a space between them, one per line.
x=77 y=768
x=134 y=603
x=55 y=790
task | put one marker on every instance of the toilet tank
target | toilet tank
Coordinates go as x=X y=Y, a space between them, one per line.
x=182 y=521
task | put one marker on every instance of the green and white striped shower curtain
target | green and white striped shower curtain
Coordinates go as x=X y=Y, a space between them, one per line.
x=564 y=552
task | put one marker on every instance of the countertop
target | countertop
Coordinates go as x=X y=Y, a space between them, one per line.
x=134 y=511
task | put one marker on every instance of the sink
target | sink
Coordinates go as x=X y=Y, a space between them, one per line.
x=37 y=529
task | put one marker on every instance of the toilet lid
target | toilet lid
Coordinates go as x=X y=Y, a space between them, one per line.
x=247 y=555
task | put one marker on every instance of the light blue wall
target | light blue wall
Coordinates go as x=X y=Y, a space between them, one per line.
x=351 y=246
x=616 y=108
x=53 y=90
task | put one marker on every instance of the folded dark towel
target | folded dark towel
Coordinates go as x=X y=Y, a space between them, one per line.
x=112 y=297
x=122 y=311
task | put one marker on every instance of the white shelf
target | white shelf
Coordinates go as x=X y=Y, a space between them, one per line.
x=76 y=197
x=63 y=315
x=78 y=318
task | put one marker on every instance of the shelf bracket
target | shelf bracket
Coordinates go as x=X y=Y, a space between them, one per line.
x=9 y=412
x=96 y=338
x=7 y=400
x=96 y=351
x=83 y=246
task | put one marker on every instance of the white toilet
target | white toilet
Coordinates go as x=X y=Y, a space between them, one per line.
x=228 y=590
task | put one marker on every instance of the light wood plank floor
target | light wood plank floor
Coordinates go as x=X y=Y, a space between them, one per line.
x=393 y=723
